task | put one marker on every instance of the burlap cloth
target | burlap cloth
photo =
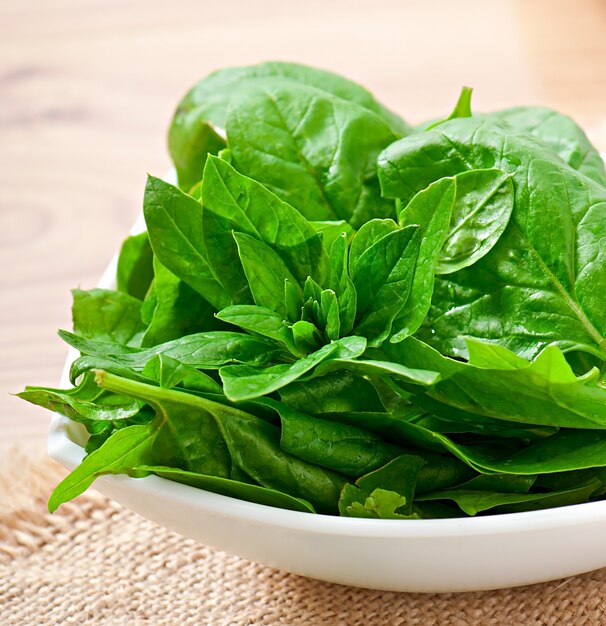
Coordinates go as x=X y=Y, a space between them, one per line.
x=94 y=562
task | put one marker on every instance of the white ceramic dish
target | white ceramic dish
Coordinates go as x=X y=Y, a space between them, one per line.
x=414 y=555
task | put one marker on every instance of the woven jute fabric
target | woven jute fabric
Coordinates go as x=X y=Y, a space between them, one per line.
x=94 y=562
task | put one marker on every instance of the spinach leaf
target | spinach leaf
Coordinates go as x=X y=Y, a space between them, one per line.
x=226 y=433
x=473 y=502
x=245 y=382
x=561 y=134
x=306 y=336
x=196 y=127
x=108 y=316
x=529 y=290
x=462 y=108
x=330 y=230
x=480 y=214
x=547 y=392
x=379 y=504
x=431 y=210
x=337 y=392
x=340 y=447
x=265 y=272
x=169 y=372
x=125 y=449
x=386 y=492
x=135 y=271
x=86 y=403
x=238 y=203
x=203 y=350
x=382 y=276
x=341 y=283
x=317 y=152
x=232 y=488
x=176 y=309
x=186 y=434
x=262 y=321
x=174 y=223
x=368 y=367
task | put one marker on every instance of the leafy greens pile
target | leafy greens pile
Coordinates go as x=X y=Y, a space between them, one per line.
x=335 y=312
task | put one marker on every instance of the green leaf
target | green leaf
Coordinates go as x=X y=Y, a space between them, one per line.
x=187 y=435
x=368 y=367
x=337 y=392
x=233 y=202
x=177 y=309
x=190 y=140
x=341 y=283
x=231 y=488
x=547 y=392
x=244 y=382
x=328 y=314
x=265 y=271
x=462 y=108
x=135 y=271
x=331 y=230
x=262 y=321
x=375 y=493
x=85 y=403
x=431 y=209
x=203 y=350
x=169 y=372
x=529 y=290
x=380 y=504
x=316 y=151
x=368 y=234
x=382 y=276
x=125 y=449
x=174 y=223
x=340 y=447
x=481 y=212
x=203 y=109
x=561 y=134
x=107 y=315
x=293 y=301
x=473 y=502
x=252 y=443
x=306 y=336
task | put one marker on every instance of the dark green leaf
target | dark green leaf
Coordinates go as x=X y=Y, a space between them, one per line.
x=316 y=151
x=107 y=316
x=135 y=272
x=341 y=283
x=431 y=209
x=530 y=290
x=244 y=382
x=262 y=321
x=340 y=447
x=238 y=203
x=265 y=272
x=178 y=310
x=382 y=276
x=232 y=488
x=561 y=134
x=204 y=350
x=174 y=223
x=125 y=449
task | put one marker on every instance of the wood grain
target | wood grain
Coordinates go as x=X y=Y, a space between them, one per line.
x=88 y=87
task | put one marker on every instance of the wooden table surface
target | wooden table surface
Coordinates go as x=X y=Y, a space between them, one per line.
x=87 y=89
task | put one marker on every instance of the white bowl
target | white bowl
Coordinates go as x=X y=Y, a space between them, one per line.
x=464 y=554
